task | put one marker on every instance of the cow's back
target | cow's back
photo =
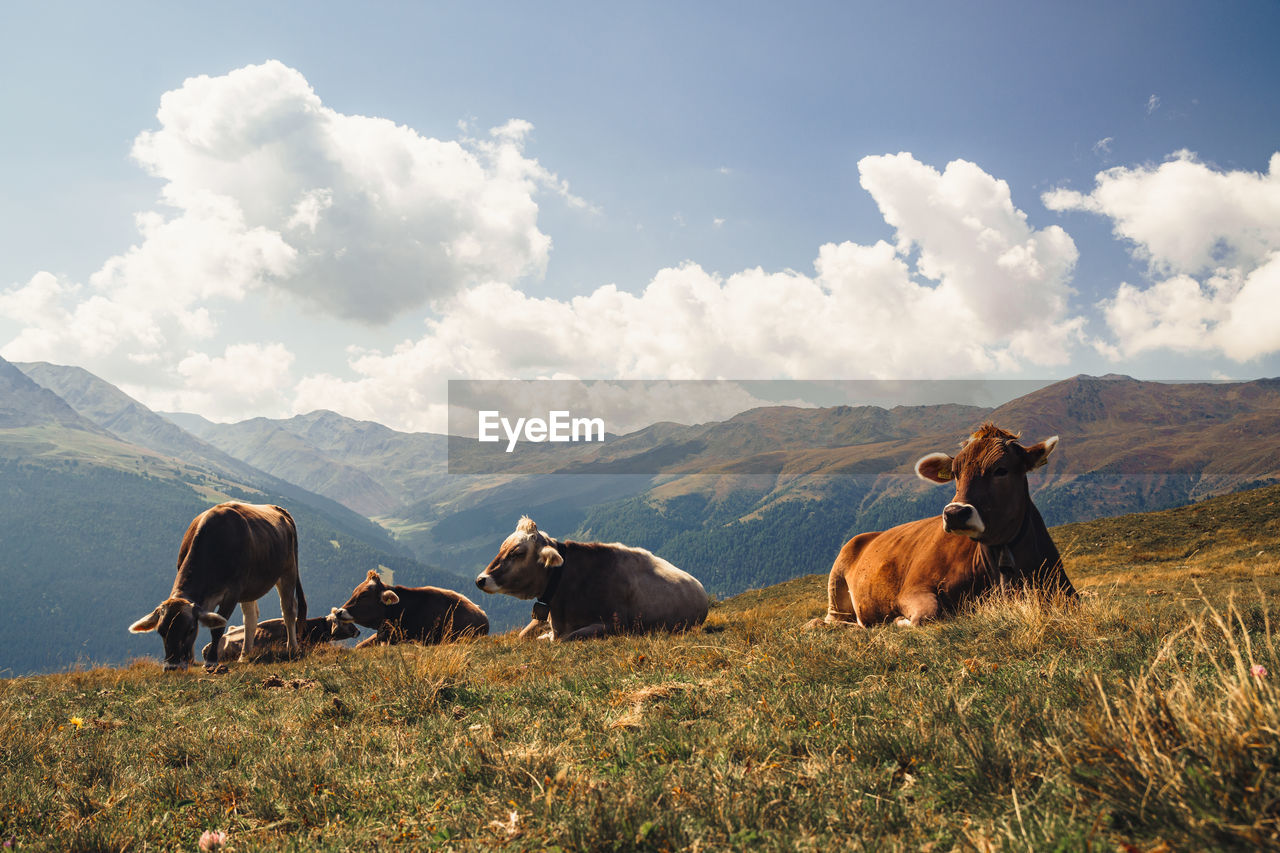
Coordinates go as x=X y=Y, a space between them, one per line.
x=241 y=547
x=632 y=586
x=434 y=615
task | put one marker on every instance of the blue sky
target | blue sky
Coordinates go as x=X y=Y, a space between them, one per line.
x=691 y=190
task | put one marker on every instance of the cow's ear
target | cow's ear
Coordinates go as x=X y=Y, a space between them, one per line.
x=389 y=597
x=935 y=468
x=209 y=619
x=147 y=623
x=550 y=557
x=1038 y=454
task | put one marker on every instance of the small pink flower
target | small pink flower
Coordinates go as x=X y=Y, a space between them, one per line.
x=212 y=839
x=1258 y=670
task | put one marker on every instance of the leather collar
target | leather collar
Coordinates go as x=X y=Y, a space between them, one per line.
x=542 y=605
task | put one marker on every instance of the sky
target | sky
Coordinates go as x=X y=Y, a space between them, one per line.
x=245 y=210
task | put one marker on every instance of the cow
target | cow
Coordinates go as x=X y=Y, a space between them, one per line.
x=590 y=589
x=271 y=633
x=989 y=536
x=421 y=614
x=231 y=553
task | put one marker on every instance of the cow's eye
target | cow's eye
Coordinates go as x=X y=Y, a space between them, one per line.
x=1000 y=472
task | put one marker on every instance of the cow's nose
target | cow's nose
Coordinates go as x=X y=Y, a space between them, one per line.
x=957 y=515
x=480 y=581
x=342 y=615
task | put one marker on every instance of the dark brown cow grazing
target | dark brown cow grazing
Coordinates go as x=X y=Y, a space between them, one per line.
x=232 y=553
x=990 y=535
x=271 y=635
x=589 y=589
x=423 y=614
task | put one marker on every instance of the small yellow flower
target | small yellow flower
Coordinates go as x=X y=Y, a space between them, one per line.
x=77 y=722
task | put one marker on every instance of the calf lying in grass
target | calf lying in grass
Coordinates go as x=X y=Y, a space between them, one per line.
x=271 y=636
x=422 y=614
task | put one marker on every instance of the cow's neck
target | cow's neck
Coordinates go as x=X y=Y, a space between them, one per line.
x=187 y=585
x=1002 y=555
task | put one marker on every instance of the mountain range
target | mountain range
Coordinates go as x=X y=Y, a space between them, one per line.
x=723 y=498
x=761 y=497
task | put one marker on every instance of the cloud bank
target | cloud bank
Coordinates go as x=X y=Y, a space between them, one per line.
x=1211 y=241
x=967 y=287
x=268 y=193
x=271 y=201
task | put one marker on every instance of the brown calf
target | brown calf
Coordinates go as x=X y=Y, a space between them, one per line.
x=424 y=614
x=271 y=635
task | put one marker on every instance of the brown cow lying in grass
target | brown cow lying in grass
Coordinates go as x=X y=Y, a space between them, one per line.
x=589 y=589
x=424 y=614
x=271 y=638
x=990 y=536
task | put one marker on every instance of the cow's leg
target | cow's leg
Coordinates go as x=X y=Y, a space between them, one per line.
x=599 y=629
x=249 y=610
x=917 y=607
x=289 y=612
x=224 y=610
x=534 y=629
x=371 y=640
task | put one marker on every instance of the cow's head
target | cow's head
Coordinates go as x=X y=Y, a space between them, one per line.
x=990 y=475
x=178 y=622
x=340 y=629
x=523 y=564
x=369 y=602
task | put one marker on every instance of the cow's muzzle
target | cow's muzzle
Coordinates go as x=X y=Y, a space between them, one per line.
x=341 y=615
x=963 y=519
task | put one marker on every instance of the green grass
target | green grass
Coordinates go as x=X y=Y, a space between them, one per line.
x=1132 y=719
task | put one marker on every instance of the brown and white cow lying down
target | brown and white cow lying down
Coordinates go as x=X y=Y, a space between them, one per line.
x=423 y=614
x=990 y=535
x=589 y=589
x=271 y=636
x=232 y=553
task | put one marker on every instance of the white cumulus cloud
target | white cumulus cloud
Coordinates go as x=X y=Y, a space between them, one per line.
x=267 y=193
x=377 y=218
x=1211 y=240
x=248 y=377
x=968 y=287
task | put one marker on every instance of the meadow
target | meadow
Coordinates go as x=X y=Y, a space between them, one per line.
x=1147 y=717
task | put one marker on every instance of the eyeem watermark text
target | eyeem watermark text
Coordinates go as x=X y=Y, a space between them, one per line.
x=559 y=426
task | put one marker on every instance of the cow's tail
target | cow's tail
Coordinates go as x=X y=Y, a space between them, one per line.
x=301 y=605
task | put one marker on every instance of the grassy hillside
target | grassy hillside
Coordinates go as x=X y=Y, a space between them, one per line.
x=1133 y=721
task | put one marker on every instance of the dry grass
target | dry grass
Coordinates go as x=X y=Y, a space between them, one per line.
x=1129 y=719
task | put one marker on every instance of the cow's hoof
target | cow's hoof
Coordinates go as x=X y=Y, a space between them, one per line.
x=814 y=624
x=903 y=622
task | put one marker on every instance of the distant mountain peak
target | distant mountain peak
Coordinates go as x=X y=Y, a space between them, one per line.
x=26 y=403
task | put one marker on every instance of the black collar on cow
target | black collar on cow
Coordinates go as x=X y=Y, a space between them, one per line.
x=542 y=606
